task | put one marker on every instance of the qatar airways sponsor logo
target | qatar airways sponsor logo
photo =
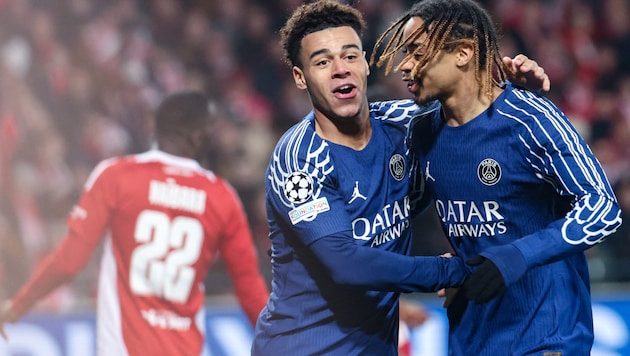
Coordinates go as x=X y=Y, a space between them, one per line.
x=386 y=225
x=471 y=219
x=165 y=319
x=171 y=195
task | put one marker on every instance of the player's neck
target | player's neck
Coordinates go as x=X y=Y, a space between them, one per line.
x=467 y=103
x=176 y=149
x=354 y=133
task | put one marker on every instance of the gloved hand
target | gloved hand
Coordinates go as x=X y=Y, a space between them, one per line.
x=486 y=282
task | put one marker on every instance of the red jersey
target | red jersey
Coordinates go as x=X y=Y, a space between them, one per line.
x=165 y=219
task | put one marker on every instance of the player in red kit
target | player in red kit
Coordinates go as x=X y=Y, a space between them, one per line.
x=164 y=219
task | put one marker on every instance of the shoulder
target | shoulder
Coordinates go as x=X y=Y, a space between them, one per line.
x=536 y=118
x=223 y=192
x=427 y=121
x=296 y=133
x=300 y=155
x=106 y=168
x=524 y=106
x=149 y=163
x=401 y=110
x=393 y=111
x=299 y=143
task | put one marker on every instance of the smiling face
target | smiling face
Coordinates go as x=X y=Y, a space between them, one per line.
x=334 y=72
x=437 y=79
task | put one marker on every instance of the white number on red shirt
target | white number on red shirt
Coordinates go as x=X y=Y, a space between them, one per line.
x=161 y=265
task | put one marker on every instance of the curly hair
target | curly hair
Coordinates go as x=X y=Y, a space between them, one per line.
x=447 y=23
x=313 y=17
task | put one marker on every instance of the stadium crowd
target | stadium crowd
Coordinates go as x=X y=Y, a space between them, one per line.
x=79 y=80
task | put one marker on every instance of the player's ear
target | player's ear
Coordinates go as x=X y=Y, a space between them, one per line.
x=298 y=77
x=465 y=53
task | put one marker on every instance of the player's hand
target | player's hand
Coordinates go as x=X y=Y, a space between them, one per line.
x=486 y=282
x=526 y=73
x=412 y=314
x=6 y=316
x=448 y=294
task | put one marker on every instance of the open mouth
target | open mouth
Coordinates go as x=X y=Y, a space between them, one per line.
x=345 y=91
x=412 y=86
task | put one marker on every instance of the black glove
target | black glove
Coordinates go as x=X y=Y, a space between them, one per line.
x=486 y=282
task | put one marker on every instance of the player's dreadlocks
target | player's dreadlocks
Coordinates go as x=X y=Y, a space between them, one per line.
x=313 y=17
x=447 y=24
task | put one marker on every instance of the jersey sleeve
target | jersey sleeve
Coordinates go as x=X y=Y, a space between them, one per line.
x=351 y=264
x=86 y=225
x=560 y=156
x=302 y=187
x=239 y=253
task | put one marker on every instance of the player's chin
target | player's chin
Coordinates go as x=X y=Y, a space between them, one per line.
x=348 y=112
x=421 y=98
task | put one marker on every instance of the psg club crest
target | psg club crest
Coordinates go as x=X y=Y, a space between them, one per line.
x=489 y=171
x=298 y=187
x=397 y=167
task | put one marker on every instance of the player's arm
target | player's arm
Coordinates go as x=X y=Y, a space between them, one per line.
x=568 y=162
x=561 y=156
x=58 y=268
x=241 y=259
x=348 y=263
x=328 y=237
x=86 y=224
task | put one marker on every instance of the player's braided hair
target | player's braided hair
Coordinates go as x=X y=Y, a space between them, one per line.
x=447 y=24
x=313 y=17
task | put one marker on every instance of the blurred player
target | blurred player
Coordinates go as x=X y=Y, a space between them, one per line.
x=412 y=315
x=519 y=193
x=167 y=218
x=339 y=203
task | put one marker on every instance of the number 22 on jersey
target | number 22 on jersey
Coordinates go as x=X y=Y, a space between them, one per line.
x=161 y=264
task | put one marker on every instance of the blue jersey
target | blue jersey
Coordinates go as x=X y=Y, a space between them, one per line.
x=519 y=186
x=317 y=189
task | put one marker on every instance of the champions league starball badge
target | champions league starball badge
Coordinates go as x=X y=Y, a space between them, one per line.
x=397 y=167
x=298 y=187
x=489 y=172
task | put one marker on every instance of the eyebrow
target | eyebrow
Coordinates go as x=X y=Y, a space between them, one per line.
x=326 y=50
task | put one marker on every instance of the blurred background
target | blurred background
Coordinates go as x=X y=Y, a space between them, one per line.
x=79 y=80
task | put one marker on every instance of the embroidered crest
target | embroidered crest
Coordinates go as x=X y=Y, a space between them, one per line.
x=489 y=171
x=397 y=167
